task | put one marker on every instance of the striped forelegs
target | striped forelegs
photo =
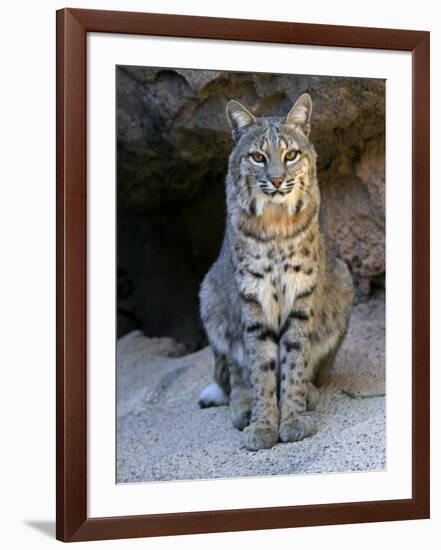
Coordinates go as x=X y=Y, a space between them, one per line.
x=294 y=352
x=262 y=351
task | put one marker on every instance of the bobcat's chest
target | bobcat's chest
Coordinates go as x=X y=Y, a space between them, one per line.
x=284 y=278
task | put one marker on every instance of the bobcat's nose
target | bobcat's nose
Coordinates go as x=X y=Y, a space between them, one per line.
x=277 y=182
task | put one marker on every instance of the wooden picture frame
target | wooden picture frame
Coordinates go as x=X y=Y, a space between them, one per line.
x=73 y=524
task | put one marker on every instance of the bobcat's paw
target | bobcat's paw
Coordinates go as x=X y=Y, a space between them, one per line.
x=296 y=429
x=260 y=436
x=313 y=397
x=240 y=408
x=240 y=416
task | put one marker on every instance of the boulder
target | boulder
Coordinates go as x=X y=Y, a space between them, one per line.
x=173 y=143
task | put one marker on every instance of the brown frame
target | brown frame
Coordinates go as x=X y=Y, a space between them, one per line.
x=71 y=507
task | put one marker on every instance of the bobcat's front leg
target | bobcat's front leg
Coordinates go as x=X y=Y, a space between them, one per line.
x=294 y=351
x=262 y=350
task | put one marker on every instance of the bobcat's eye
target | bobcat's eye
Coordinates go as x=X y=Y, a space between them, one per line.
x=291 y=155
x=258 y=157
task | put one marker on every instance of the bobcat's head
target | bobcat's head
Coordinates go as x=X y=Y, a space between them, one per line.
x=273 y=160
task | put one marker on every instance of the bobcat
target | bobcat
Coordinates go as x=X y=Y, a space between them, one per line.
x=276 y=303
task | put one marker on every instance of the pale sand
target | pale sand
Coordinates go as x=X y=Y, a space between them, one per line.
x=162 y=434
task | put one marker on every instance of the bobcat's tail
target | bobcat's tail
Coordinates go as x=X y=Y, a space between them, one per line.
x=212 y=396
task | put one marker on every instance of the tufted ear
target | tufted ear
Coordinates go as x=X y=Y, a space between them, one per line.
x=239 y=118
x=300 y=114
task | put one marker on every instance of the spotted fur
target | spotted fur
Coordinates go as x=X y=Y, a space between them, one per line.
x=276 y=303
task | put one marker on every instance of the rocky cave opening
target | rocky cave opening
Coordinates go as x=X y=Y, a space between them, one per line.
x=173 y=144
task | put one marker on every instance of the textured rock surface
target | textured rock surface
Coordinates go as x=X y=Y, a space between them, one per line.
x=163 y=435
x=173 y=146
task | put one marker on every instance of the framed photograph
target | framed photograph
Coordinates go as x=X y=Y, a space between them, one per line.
x=242 y=274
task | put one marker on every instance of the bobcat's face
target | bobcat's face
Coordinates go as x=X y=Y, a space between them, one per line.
x=275 y=161
x=274 y=155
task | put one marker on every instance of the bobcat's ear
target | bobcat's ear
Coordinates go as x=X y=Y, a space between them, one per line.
x=239 y=118
x=300 y=114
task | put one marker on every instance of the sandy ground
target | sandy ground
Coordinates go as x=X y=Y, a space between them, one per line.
x=162 y=434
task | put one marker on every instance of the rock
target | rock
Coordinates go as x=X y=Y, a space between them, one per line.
x=136 y=343
x=162 y=434
x=173 y=145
